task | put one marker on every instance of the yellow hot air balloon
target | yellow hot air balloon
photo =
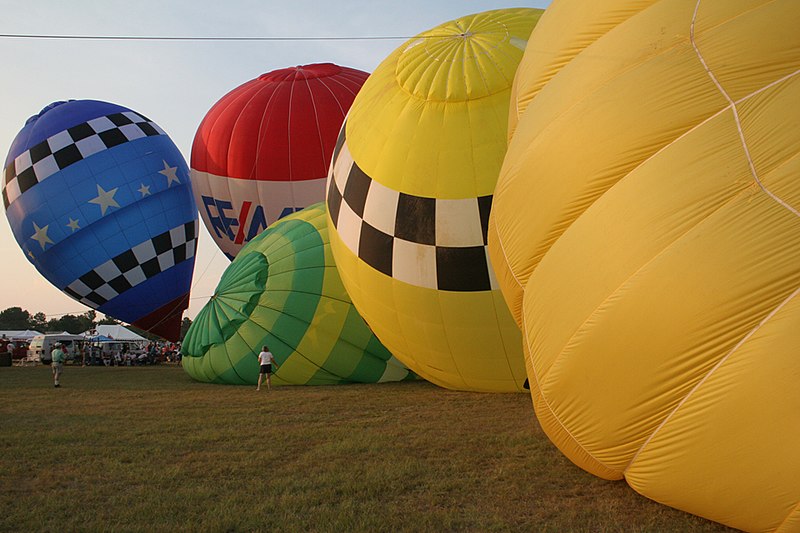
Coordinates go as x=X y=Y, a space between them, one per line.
x=647 y=218
x=409 y=194
x=567 y=32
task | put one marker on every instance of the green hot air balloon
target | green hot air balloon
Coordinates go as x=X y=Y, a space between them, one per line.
x=283 y=290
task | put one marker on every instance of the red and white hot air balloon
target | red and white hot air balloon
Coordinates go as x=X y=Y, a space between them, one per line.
x=263 y=150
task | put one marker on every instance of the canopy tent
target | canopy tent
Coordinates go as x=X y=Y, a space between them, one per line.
x=115 y=332
x=68 y=336
x=20 y=334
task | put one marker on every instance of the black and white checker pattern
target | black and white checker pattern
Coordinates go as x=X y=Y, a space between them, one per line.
x=130 y=268
x=427 y=242
x=70 y=146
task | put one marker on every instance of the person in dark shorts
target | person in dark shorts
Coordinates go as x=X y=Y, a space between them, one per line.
x=267 y=361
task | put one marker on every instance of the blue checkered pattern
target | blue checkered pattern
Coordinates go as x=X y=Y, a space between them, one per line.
x=70 y=146
x=134 y=266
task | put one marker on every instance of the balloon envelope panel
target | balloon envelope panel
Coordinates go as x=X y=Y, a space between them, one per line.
x=283 y=290
x=648 y=210
x=264 y=149
x=409 y=197
x=99 y=200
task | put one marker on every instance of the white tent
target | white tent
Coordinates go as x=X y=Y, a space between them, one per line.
x=116 y=332
x=20 y=334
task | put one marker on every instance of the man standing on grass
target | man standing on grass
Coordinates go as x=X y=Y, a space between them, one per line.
x=57 y=363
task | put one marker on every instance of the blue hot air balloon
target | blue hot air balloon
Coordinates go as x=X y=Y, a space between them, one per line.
x=99 y=200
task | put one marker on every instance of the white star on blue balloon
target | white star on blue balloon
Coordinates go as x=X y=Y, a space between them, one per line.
x=171 y=173
x=105 y=199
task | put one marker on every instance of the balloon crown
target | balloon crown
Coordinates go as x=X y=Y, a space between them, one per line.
x=314 y=70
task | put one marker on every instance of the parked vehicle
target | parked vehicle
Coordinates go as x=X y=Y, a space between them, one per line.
x=41 y=346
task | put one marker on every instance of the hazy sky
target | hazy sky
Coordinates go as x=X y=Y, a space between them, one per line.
x=175 y=83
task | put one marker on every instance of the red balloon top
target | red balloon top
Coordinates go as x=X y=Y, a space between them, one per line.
x=281 y=126
x=317 y=70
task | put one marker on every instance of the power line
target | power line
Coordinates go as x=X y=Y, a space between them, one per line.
x=195 y=38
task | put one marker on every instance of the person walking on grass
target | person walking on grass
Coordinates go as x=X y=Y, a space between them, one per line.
x=57 y=363
x=266 y=359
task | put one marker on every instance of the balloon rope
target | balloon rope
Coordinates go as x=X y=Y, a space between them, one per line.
x=194 y=284
x=774 y=197
x=736 y=113
x=213 y=257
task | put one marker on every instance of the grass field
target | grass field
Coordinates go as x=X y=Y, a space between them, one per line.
x=147 y=449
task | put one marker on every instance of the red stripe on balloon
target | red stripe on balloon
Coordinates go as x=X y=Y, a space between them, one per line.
x=242 y=219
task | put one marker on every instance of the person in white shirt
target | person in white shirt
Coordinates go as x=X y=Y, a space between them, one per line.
x=267 y=360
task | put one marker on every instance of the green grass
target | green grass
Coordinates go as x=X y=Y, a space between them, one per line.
x=147 y=449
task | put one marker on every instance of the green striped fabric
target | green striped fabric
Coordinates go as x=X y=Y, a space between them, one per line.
x=283 y=290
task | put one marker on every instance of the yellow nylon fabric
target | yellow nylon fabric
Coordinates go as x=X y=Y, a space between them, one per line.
x=565 y=33
x=448 y=338
x=646 y=236
x=322 y=333
x=726 y=423
x=431 y=122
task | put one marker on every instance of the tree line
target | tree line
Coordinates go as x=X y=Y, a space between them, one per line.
x=16 y=318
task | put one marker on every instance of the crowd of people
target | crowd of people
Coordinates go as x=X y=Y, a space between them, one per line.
x=16 y=348
x=129 y=355
x=92 y=354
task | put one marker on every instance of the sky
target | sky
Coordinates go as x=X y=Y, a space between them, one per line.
x=175 y=83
